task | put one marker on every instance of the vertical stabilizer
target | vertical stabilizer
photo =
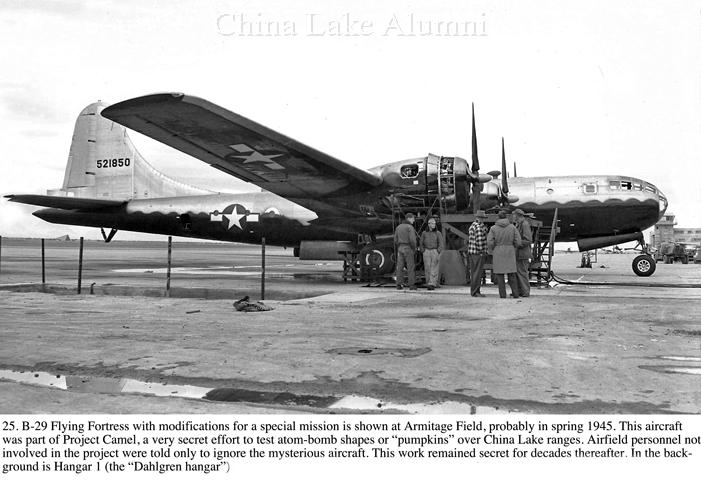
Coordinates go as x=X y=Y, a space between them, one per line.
x=103 y=163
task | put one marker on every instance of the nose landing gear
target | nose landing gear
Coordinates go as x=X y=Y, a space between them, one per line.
x=644 y=265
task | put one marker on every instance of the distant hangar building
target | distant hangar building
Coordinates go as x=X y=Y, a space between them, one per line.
x=665 y=231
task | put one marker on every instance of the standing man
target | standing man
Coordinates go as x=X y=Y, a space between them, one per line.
x=476 y=251
x=405 y=244
x=523 y=253
x=431 y=245
x=502 y=241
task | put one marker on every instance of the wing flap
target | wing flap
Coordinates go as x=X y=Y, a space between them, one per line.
x=240 y=147
x=66 y=203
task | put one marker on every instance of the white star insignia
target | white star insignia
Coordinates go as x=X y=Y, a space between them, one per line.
x=256 y=156
x=266 y=159
x=234 y=218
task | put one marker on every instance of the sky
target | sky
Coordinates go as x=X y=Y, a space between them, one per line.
x=579 y=87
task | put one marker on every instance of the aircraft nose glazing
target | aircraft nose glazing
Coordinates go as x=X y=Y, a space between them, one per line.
x=662 y=202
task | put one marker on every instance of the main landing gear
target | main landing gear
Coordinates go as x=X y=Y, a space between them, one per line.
x=644 y=265
x=379 y=257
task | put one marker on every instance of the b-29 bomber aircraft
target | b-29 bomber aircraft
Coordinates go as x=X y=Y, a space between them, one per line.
x=310 y=200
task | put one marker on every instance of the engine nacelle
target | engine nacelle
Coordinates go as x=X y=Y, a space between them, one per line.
x=448 y=178
x=324 y=249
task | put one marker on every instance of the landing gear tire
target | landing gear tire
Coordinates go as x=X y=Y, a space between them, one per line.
x=380 y=258
x=644 y=265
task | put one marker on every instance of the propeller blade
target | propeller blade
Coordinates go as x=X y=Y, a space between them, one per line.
x=476 y=196
x=515 y=170
x=504 y=182
x=477 y=179
x=475 y=158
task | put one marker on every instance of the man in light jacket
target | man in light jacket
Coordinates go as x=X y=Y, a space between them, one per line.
x=502 y=241
x=431 y=245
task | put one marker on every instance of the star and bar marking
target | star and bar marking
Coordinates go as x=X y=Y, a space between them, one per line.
x=249 y=155
x=233 y=216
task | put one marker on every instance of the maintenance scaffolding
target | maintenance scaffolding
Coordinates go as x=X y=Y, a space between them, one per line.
x=444 y=205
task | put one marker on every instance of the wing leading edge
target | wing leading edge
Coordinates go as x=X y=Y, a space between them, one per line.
x=240 y=147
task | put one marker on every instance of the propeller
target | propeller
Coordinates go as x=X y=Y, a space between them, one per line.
x=478 y=180
x=476 y=186
x=504 y=198
x=475 y=159
x=504 y=182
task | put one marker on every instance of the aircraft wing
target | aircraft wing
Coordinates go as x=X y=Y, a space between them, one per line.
x=240 y=147
x=66 y=203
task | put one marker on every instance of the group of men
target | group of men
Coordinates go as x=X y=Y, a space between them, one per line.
x=431 y=244
x=508 y=242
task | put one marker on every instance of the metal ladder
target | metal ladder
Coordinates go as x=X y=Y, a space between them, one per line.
x=543 y=252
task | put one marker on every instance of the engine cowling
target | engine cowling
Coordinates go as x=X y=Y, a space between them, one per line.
x=449 y=179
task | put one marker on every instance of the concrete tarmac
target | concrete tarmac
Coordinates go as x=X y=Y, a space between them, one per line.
x=334 y=347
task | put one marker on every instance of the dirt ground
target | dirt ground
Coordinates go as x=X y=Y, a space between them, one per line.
x=566 y=349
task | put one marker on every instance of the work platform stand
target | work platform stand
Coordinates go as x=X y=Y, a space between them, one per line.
x=351 y=266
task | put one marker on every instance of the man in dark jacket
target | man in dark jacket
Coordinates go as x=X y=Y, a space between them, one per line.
x=405 y=243
x=523 y=253
x=502 y=241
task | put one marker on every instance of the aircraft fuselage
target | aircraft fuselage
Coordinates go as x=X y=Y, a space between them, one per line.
x=588 y=207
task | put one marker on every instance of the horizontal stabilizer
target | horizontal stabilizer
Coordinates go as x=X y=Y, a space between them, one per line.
x=66 y=203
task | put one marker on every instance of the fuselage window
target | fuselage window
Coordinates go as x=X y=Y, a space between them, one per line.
x=650 y=188
x=409 y=171
x=615 y=185
x=625 y=185
x=589 y=188
x=637 y=186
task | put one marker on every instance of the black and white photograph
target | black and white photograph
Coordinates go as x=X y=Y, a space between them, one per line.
x=438 y=235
